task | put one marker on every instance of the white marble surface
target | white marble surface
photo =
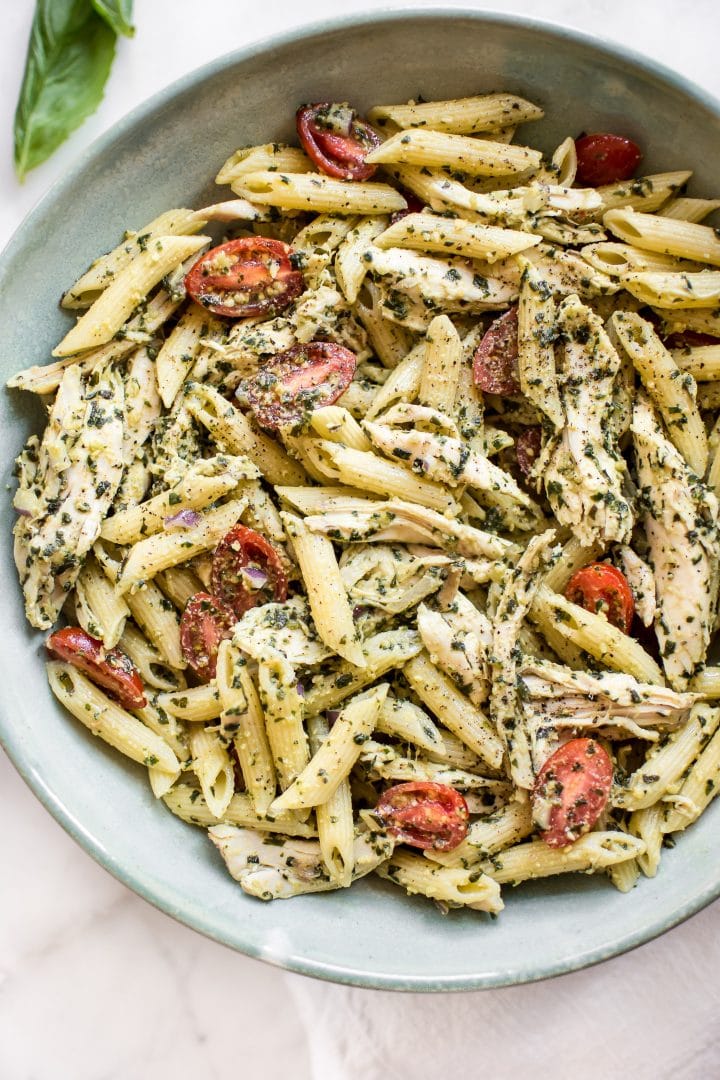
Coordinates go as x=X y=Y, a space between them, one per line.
x=96 y=985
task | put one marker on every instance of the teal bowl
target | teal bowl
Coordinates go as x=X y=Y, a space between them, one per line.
x=163 y=155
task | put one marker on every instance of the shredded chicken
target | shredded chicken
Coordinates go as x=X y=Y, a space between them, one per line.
x=515 y=594
x=585 y=471
x=458 y=641
x=408 y=523
x=276 y=868
x=392 y=578
x=67 y=484
x=681 y=522
x=642 y=582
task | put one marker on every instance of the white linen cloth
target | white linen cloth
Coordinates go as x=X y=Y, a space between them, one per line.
x=97 y=985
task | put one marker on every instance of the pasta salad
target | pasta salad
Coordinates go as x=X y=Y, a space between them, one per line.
x=376 y=512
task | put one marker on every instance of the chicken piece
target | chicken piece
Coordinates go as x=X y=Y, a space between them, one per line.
x=458 y=641
x=607 y=700
x=681 y=523
x=284 y=628
x=585 y=471
x=382 y=762
x=67 y=484
x=275 y=867
x=450 y=461
x=408 y=523
x=642 y=583
x=392 y=578
x=516 y=594
x=454 y=283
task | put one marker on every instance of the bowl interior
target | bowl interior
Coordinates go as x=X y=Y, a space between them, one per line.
x=165 y=155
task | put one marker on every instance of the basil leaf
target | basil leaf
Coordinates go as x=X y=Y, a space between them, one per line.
x=117 y=14
x=70 y=53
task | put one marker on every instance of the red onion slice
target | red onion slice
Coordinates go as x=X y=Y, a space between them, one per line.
x=254 y=577
x=184 y=519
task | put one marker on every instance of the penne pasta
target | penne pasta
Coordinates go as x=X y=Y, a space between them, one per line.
x=129 y=288
x=321 y=194
x=487 y=112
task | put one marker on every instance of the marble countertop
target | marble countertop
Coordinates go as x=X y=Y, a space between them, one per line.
x=95 y=984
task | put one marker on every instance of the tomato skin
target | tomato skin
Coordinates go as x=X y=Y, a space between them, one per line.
x=253 y=276
x=602 y=588
x=414 y=206
x=109 y=668
x=338 y=155
x=527 y=448
x=240 y=551
x=205 y=622
x=690 y=339
x=575 y=783
x=298 y=381
x=424 y=815
x=603 y=158
x=495 y=364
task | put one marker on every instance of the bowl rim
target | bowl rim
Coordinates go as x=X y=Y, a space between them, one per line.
x=166 y=899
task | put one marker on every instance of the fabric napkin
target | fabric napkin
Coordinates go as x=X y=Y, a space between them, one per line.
x=637 y=1017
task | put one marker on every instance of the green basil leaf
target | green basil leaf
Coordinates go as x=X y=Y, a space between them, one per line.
x=70 y=53
x=118 y=14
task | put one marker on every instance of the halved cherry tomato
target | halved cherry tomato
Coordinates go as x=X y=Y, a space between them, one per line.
x=527 y=447
x=690 y=339
x=296 y=382
x=495 y=364
x=337 y=139
x=250 y=276
x=603 y=589
x=424 y=814
x=414 y=206
x=605 y=159
x=109 y=668
x=205 y=622
x=571 y=791
x=247 y=571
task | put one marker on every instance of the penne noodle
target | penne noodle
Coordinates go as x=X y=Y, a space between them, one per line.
x=435 y=149
x=129 y=288
x=322 y=194
x=487 y=112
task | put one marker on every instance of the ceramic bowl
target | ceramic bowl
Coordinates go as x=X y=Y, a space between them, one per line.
x=163 y=155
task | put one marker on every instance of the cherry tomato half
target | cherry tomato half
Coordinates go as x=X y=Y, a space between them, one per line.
x=571 y=791
x=247 y=571
x=527 y=448
x=109 y=668
x=298 y=381
x=251 y=276
x=603 y=589
x=337 y=139
x=424 y=815
x=414 y=206
x=605 y=159
x=495 y=364
x=205 y=622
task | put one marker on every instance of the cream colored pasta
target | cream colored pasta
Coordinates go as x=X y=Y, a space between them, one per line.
x=476 y=157
x=673 y=394
x=335 y=824
x=488 y=112
x=449 y=885
x=453 y=236
x=398 y=537
x=213 y=768
x=317 y=193
x=337 y=754
x=243 y=721
x=131 y=285
x=108 y=720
